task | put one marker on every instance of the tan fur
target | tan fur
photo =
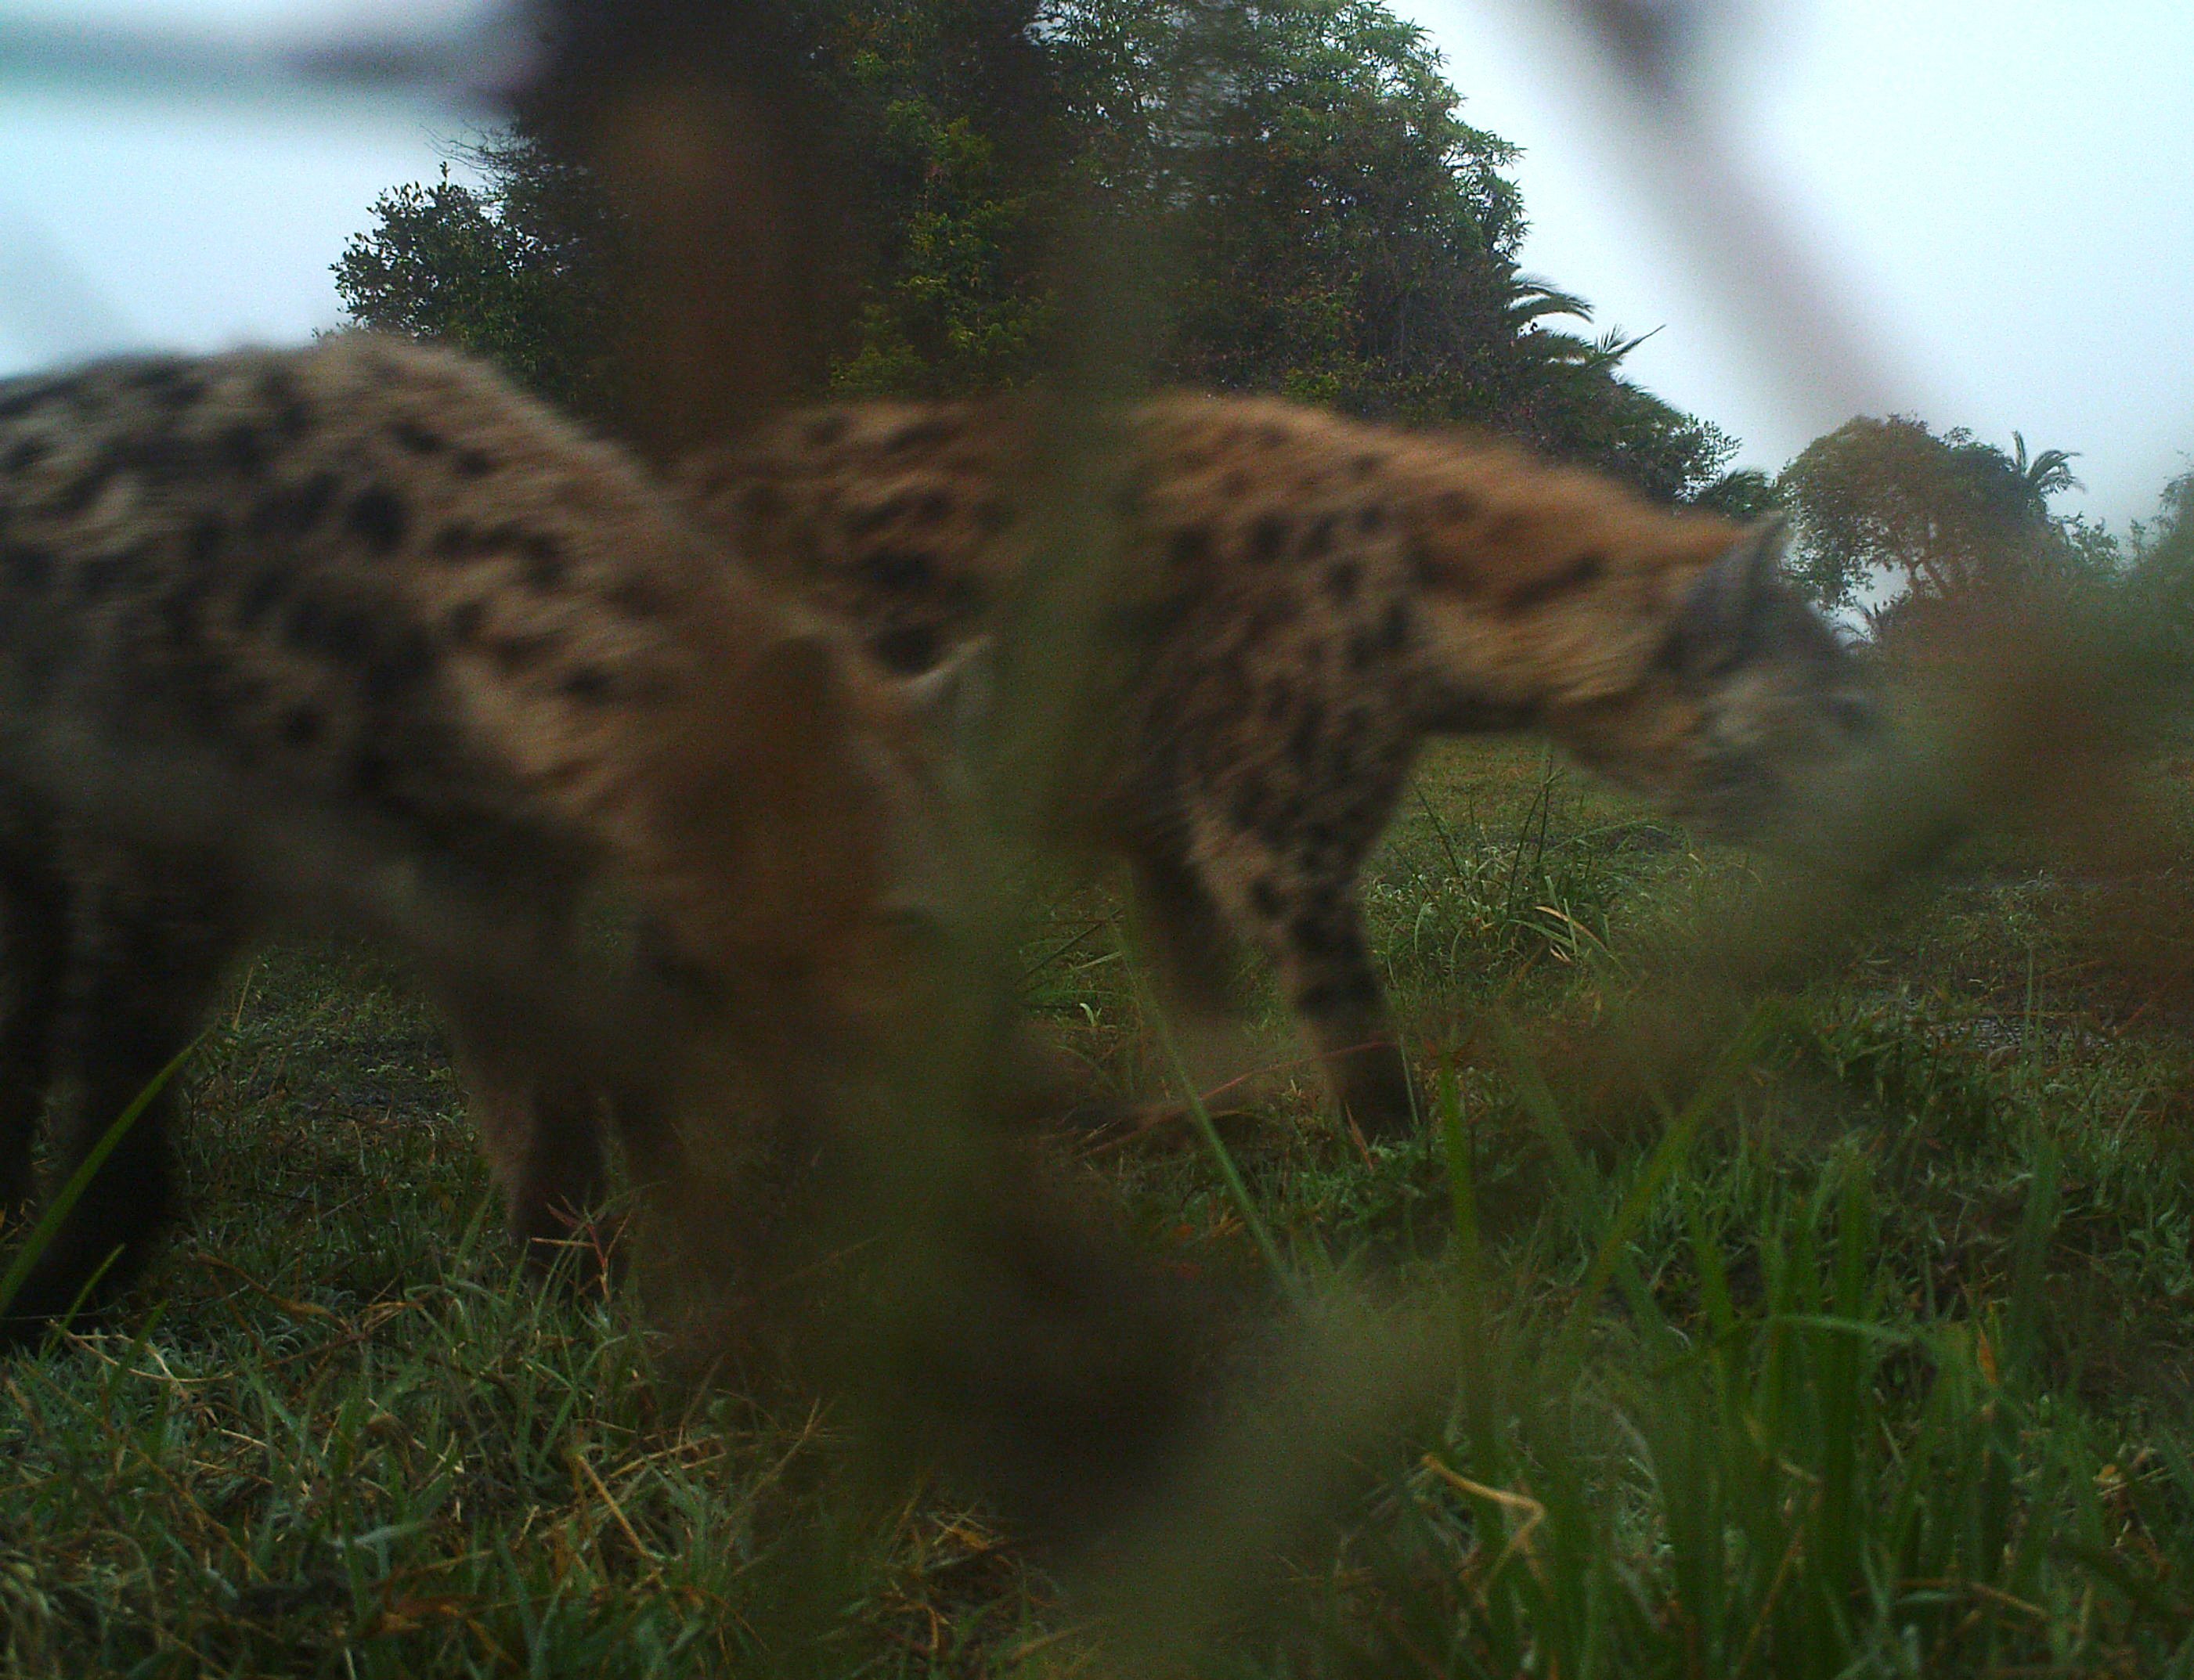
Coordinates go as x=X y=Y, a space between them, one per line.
x=360 y=636
x=1303 y=600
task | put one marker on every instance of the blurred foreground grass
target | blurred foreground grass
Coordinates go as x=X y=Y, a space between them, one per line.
x=1880 y=1366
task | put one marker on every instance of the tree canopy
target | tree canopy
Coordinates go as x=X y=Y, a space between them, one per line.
x=1943 y=512
x=1331 y=227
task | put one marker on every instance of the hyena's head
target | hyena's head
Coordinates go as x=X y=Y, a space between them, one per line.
x=1751 y=707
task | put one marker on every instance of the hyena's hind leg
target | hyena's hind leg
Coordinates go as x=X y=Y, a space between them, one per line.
x=540 y=1125
x=35 y=915
x=1298 y=905
x=145 y=960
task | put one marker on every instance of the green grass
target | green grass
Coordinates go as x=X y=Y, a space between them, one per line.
x=1875 y=1358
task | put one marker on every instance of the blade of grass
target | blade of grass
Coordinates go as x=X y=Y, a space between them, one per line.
x=1667 y=1154
x=1238 y=1192
x=73 y=1188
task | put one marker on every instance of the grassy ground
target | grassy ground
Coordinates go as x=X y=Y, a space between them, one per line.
x=1879 y=1365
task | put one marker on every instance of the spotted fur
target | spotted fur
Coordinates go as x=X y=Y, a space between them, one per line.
x=360 y=637
x=1303 y=600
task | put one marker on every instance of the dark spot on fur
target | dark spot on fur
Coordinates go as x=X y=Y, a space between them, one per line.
x=1310 y=723
x=305 y=624
x=19 y=397
x=635 y=599
x=1316 y=936
x=83 y=489
x=1189 y=546
x=515 y=653
x=1235 y=484
x=910 y=650
x=98 y=577
x=899 y=570
x=398 y=665
x=545 y=567
x=202 y=544
x=465 y=620
x=372 y=771
x=762 y=503
x=27 y=566
x=934 y=509
x=1274 y=612
x=169 y=384
x=472 y=463
x=1268 y=537
x=1365 y=465
x=291 y=416
x=268 y=585
x=1585 y=569
x=454 y=541
x=826 y=429
x=294 y=509
x=302 y=726
x=589 y=685
x=378 y=519
x=1265 y=898
x=1341 y=995
x=1279 y=699
x=1426 y=571
x=1272 y=434
x=992 y=515
x=162 y=457
x=28 y=454
x=1454 y=504
x=1395 y=629
x=415 y=439
x=869 y=520
x=919 y=434
x=1365 y=649
x=1371 y=518
x=242 y=450
x=1341 y=582
x=1318 y=544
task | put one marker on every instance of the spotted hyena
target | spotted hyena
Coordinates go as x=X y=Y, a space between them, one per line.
x=1303 y=600
x=359 y=637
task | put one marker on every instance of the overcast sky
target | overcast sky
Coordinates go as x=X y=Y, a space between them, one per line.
x=1999 y=193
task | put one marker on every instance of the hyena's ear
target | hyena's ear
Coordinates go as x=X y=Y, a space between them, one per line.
x=1716 y=627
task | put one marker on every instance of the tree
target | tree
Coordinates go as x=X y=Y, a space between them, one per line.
x=1941 y=512
x=513 y=270
x=1333 y=229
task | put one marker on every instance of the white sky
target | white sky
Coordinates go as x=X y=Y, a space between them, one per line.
x=2000 y=193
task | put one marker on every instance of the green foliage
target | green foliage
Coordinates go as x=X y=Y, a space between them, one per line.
x=1335 y=231
x=1942 y=512
x=513 y=270
x=1746 y=493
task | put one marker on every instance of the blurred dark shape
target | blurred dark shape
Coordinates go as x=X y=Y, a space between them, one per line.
x=1651 y=37
x=982 y=1319
x=698 y=123
x=736 y=184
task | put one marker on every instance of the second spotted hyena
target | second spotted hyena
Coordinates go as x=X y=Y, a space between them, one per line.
x=1303 y=600
x=360 y=637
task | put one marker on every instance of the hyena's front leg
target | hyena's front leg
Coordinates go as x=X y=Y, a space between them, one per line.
x=150 y=944
x=1298 y=904
x=35 y=904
